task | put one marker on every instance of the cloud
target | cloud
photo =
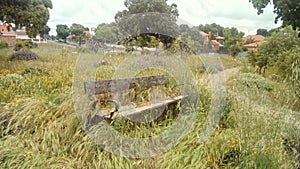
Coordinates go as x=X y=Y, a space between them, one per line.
x=227 y=13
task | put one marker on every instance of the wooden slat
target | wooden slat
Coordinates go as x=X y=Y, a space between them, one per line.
x=144 y=112
x=156 y=106
x=115 y=85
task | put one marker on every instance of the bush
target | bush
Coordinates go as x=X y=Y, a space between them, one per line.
x=23 y=45
x=272 y=52
x=23 y=55
x=256 y=81
x=3 y=45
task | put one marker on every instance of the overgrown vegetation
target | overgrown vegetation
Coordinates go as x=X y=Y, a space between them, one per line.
x=39 y=127
x=3 y=45
x=280 y=53
x=21 y=45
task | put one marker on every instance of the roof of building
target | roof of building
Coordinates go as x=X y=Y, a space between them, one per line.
x=4 y=31
x=257 y=38
x=251 y=45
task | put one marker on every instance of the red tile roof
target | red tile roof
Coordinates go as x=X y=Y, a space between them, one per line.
x=251 y=45
x=4 y=31
x=257 y=38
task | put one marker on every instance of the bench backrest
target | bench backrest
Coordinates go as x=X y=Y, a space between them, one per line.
x=115 y=85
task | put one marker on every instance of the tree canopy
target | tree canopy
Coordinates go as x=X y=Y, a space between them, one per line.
x=263 y=32
x=45 y=31
x=62 y=31
x=33 y=14
x=79 y=31
x=143 y=17
x=286 y=10
x=107 y=32
x=215 y=29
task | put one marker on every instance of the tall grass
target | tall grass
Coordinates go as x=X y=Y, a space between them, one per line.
x=39 y=127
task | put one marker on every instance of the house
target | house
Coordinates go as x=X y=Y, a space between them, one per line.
x=22 y=35
x=251 y=42
x=220 y=39
x=9 y=37
x=216 y=44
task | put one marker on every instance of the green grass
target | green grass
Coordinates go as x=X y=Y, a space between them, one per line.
x=40 y=128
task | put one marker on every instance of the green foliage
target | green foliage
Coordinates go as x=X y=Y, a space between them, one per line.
x=45 y=31
x=23 y=55
x=263 y=32
x=214 y=28
x=286 y=10
x=291 y=142
x=3 y=45
x=62 y=31
x=255 y=81
x=20 y=45
x=39 y=127
x=34 y=15
x=36 y=71
x=281 y=52
x=295 y=77
x=153 y=17
x=233 y=41
x=79 y=31
x=190 y=39
x=107 y=32
x=275 y=49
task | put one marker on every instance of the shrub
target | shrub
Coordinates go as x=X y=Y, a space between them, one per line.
x=23 y=45
x=3 y=45
x=23 y=55
x=271 y=53
x=256 y=81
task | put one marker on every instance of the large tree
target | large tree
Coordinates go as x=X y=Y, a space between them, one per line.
x=79 y=31
x=62 y=31
x=45 y=31
x=214 y=29
x=33 y=14
x=263 y=32
x=145 y=17
x=233 y=40
x=107 y=32
x=286 y=10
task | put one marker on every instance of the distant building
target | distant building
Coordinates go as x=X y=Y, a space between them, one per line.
x=220 y=39
x=10 y=36
x=22 y=35
x=256 y=41
x=216 y=44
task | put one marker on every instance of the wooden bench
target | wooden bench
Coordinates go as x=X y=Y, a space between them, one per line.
x=139 y=114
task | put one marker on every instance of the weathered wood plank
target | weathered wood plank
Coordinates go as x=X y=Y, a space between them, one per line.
x=143 y=113
x=145 y=109
x=115 y=85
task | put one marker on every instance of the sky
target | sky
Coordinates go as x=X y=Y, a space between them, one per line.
x=227 y=13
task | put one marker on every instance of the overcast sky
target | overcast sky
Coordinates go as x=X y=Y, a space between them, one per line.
x=227 y=13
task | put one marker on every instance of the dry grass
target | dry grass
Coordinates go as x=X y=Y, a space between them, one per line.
x=41 y=128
